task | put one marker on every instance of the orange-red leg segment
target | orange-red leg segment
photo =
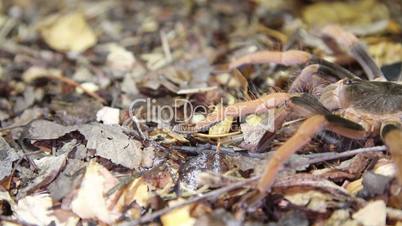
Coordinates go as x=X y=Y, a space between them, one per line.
x=241 y=109
x=302 y=136
x=287 y=58
x=392 y=137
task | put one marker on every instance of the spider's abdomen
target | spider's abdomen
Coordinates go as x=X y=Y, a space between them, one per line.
x=374 y=96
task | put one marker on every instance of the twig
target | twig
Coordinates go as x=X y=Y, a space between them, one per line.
x=209 y=195
x=217 y=135
x=203 y=148
x=166 y=47
x=331 y=156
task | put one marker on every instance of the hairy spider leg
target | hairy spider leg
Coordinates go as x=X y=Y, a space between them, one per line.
x=333 y=69
x=292 y=57
x=391 y=134
x=260 y=105
x=355 y=48
x=287 y=58
x=303 y=136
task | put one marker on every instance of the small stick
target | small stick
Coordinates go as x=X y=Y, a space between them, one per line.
x=217 y=135
x=208 y=148
x=165 y=46
x=331 y=156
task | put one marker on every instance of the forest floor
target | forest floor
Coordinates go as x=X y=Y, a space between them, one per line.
x=102 y=105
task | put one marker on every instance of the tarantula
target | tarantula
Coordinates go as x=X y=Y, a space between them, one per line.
x=351 y=107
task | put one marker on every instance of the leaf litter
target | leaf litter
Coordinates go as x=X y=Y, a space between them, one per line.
x=93 y=96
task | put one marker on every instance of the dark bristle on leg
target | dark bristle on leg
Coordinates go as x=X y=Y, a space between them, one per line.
x=310 y=104
x=361 y=55
x=342 y=122
x=332 y=69
x=356 y=49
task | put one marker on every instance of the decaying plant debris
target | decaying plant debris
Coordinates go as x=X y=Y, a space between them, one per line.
x=104 y=104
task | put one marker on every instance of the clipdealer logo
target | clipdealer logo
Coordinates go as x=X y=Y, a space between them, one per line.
x=182 y=111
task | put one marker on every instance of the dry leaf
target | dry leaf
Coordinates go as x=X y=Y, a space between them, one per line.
x=108 y=115
x=47 y=130
x=110 y=142
x=35 y=72
x=49 y=167
x=386 y=52
x=88 y=86
x=68 y=32
x=375 y=184
x=35 y=209
x=373 y=214
x=119 y=60
x=178 y=217
x=222 y=127
x=64 y=183
x=8 y=156
x=314 y=200
x=341 y=217
x=384 y=168
x=136 y=191
x=139 y=192
x=96 y=183
x=253 y=130
x=227 y=80
x=345 y=13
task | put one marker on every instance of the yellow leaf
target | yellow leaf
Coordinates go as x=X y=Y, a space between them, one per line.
x=178 y=217
x=386 y=52
x=355 y=186
x=373 y=214
x=222 y=127
x=67 y=32
x=344 y=13
x=253 y=120
x=96 y=183
x=313 y=200
x=137 y=191
x=386 y=169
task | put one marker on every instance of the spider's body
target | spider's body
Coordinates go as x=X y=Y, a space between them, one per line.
x=351 y=107
x=369 y=103
x=375 y=97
